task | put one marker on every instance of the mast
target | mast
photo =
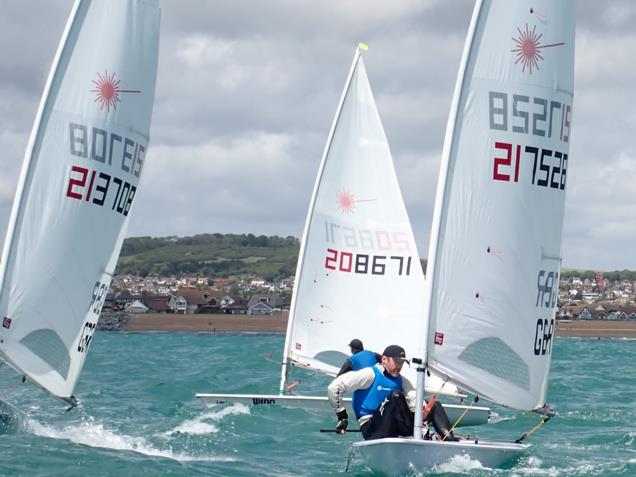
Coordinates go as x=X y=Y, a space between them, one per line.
x=72 y=201
x=34 y=142
x=497 y=230
x=43 y=110
x=437 y=217
x=285 y=368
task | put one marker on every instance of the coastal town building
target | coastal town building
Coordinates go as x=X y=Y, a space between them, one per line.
x=596 y=298
x=136 y=307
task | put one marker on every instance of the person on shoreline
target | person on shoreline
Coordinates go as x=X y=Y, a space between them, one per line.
x=385 y=401
x=360 y=358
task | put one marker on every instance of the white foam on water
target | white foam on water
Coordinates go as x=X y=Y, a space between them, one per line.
x=494 y=418
x=463 y=464
x=554 y=472
x=501 y=418
x=94 y=434
x=193 y=427
x=197 y=426
x=459 y=464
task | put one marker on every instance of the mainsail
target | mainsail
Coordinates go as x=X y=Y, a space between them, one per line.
x=358 y=273
x=78 y=184
x=495 y=251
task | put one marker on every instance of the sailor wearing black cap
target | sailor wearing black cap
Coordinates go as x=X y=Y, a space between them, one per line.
x=360 y=358
x=383 y=400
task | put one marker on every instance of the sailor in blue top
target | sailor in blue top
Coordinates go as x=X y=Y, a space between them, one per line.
x=360 y=358
x=383 y=400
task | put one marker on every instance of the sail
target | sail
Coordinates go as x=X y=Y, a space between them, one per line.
x=359 y=274
x=78 y=185
x=495 y=249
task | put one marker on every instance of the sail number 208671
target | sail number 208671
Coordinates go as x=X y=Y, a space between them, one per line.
x=366 y=263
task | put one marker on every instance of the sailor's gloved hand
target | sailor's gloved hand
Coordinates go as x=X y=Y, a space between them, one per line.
x=343 y=422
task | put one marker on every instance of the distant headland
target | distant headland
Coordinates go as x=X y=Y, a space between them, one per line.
x=243 y=283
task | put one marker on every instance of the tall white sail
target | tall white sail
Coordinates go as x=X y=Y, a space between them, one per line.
x=495 y=249
x=77 y=187
x=358 y=274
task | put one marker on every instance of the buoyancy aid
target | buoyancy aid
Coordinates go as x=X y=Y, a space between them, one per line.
x=367 y=401
x=363 y=359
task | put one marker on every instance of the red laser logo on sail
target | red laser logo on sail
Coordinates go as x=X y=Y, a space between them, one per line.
x=347 y=202
x=528 y=46
x=107 y=90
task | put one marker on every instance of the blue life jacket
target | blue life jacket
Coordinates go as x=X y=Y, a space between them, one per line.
x=363 y=359
x=367 y=401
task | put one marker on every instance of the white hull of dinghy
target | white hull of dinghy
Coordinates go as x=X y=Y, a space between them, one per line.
x=474 y=417
x=396 y=456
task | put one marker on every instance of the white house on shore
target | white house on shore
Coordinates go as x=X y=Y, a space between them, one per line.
x=135 y=307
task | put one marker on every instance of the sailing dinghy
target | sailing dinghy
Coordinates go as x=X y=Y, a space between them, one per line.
x=358 y=273
x=494 y=255
x=77 y=187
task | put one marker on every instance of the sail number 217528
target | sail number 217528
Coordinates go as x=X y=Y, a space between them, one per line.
x=529 y=120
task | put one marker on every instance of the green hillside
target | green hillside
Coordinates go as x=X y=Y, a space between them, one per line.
x=617 y=275
x=210 y=255
x=224 y=255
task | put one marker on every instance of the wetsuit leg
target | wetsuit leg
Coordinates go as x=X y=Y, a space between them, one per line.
x=438 y=417
x=393 y=419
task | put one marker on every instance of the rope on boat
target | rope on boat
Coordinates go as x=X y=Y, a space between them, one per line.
x=433 y=399
x=270 y=358
x=527 y=434
x=429 y=405
x=460 y=418
x=289 y=387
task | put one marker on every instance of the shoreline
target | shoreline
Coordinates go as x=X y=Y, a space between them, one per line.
x=216 y=323
x=221 y=323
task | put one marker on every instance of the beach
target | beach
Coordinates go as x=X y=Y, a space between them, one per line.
x=596 y=329
x=207 y=323
x=278 y=324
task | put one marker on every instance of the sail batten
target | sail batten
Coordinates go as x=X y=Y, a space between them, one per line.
x=496 y=238
x=77 y=188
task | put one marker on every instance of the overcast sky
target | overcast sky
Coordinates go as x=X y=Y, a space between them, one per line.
x=247 y=90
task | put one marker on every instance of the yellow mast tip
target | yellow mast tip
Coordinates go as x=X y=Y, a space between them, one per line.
x=363 y=46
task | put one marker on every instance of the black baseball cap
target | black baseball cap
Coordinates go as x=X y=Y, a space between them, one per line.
x=396 y=352
x=356 y=344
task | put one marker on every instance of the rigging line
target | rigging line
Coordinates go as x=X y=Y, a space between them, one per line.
x=10 y=394
x=73 y=405
x=268 y=357
x=350 y=455
x=14 y=389
x=433 y=399
x=335 y=431
x=531 y=431
x=460 y=418
x=5 y=401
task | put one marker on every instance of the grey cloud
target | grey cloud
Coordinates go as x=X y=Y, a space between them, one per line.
x=235 y=75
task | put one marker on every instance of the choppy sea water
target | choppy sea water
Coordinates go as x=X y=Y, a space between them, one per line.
x=139 y=417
